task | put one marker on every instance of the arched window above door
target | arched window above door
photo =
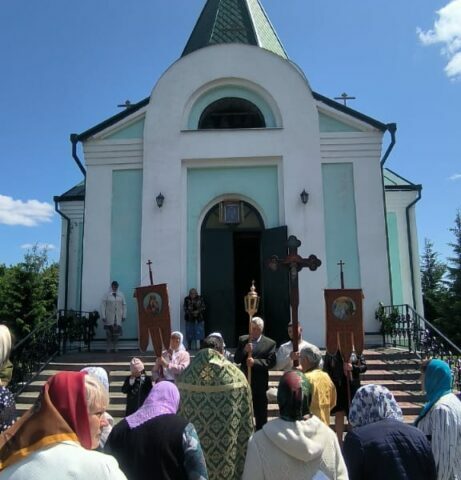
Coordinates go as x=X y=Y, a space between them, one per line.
x=234 y=107
x=231 y=112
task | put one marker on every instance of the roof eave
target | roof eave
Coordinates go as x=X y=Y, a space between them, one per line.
x=350 y=111
x=111 y=121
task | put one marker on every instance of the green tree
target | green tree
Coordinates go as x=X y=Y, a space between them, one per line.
x=450 y=323
x=432 y=281
x=28 y=292
x=454 y=266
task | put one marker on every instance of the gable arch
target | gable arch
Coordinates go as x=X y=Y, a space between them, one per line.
x=256 y=96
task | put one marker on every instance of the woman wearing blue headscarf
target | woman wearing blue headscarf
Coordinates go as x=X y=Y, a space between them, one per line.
x=440 y=419
x=382 y=447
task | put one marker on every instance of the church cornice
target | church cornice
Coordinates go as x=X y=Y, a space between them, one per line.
x=350 y=111
x=109 y=122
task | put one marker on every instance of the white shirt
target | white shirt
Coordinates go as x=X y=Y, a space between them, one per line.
x=284 y=362
x=443 y=424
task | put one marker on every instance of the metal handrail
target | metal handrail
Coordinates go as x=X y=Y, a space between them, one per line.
x=77 y=329
x=402 y=326
x=33 y=353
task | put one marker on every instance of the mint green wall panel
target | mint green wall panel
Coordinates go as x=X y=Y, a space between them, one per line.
x=258 y=184
x=125 y=252
x=340 y=224
x=394 y=254
x=133 y=131
x=229 y=91
x=328 y=124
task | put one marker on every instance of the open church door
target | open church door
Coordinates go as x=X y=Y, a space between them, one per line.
x=217 y=281
x=276 y=299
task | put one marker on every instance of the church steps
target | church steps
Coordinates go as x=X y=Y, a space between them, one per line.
x=394 y=369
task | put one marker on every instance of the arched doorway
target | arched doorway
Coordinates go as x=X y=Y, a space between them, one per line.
x=234 y=245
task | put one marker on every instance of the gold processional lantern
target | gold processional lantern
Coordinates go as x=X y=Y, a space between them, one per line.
x=251 y=301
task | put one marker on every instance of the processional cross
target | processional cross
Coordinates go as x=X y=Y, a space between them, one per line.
x=151 y=278
x=294 y=263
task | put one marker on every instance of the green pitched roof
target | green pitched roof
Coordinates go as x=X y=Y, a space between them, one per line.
x=394 y=181
x=234 y=21
x=75 y=193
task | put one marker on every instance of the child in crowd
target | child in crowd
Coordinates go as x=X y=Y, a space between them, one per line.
x=136 y=386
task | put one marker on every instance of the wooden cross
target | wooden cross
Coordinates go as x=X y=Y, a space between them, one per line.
x=341 y=273
x=151 y=277
x=294 y=263
x=344 y=97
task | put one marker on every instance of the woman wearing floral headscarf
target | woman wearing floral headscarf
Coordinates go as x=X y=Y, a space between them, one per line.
x=381 y=446
x=296 y=445
x=440 y=419
x=154 y=442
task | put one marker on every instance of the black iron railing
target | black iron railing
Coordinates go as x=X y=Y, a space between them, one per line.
x=32 y=353
x=403 y=327
x=76 y=329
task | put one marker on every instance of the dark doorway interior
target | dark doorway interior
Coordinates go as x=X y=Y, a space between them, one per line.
x=247 y=267
x=232 y=256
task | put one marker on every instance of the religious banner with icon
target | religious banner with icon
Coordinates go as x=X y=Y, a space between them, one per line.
x=344 y=321
x=153 y=317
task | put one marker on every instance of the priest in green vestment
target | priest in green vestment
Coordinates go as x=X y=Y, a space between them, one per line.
x=216 y=398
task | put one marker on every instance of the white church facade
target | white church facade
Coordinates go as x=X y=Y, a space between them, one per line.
x=229 y=138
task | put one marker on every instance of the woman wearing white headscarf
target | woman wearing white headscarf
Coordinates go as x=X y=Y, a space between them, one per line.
x=173 y=361
x=108 y=420
x=381 y=446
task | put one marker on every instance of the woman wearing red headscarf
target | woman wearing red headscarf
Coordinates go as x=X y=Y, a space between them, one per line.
x=55 y=437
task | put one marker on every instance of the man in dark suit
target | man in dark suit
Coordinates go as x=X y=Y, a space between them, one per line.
x=258 y=352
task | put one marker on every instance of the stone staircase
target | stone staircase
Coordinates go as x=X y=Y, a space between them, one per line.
x=396 y=369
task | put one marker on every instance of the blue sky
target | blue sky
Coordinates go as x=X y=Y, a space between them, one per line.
x=66 y=65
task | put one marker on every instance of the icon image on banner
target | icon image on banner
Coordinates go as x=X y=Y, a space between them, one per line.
x=343 y=307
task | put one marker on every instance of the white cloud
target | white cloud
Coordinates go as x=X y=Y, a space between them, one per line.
x=29 y=213
x=447 y=31
x=456 y=176
x=40 y=246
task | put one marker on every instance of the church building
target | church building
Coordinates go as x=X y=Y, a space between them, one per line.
x=231 y=153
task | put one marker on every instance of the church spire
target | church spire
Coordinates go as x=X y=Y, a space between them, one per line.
x=234 y=21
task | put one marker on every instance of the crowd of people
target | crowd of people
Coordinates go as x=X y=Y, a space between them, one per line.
x=205 y=417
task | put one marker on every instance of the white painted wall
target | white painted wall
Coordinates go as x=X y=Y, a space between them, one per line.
x=101 y=158
x=167 y=146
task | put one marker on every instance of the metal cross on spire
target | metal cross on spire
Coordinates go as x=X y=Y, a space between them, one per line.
x=294 y=263
x=344 y=97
